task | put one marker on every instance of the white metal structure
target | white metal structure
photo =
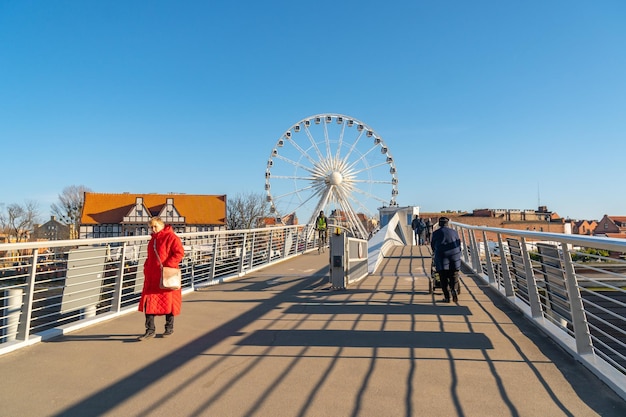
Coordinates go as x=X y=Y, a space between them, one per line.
x=573 y=287
x=333 y=163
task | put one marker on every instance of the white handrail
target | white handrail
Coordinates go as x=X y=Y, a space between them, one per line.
x=50 y=288
x=573 y=287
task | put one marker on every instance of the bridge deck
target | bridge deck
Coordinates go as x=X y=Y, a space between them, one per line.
x=280 y=343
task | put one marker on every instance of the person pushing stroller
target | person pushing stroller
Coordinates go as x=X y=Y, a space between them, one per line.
x=446 y=246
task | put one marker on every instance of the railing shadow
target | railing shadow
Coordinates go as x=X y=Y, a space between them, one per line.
x=105 y=400
x=587 y=386
x=312 y=312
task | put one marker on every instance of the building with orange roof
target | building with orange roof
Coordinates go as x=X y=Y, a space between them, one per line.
x=113 y=215
x=584 y=227
x=611 y=226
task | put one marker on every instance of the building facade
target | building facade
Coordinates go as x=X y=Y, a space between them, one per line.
x=611 y=226
x=51 y=230
x=114 y=215
x=584 y=227
x=540 y=220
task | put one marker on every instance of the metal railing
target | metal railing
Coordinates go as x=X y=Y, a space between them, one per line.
x=572 y=286
x=53 y=287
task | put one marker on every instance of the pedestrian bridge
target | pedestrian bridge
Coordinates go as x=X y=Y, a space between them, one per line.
x=263 y=333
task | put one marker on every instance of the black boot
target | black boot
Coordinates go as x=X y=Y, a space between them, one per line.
x=169 y=325
x=150 y=331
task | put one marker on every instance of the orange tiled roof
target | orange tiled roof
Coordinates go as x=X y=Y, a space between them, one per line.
x=101 y=208
x=621 y=219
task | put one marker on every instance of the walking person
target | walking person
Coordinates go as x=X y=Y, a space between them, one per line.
x=446 y=246
x=415 y=225
x=164 y=249
x=429 y=230
x=421 y=230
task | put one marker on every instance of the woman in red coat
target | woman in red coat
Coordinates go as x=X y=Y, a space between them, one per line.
x=166 y=249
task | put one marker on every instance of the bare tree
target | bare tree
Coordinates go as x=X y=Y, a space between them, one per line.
x=70 y=206
x=246 y=211
x=18 y=220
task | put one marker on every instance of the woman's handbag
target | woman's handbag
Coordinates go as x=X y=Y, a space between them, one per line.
x=170 y=277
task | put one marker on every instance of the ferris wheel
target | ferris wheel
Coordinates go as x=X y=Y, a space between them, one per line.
x=333 y=163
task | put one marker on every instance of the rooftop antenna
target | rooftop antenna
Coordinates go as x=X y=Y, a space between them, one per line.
x=538 y=197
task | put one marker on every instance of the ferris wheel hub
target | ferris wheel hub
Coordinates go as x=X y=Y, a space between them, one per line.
x=335 y=178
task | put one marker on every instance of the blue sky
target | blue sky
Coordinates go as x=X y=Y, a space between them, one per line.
x=484 y=104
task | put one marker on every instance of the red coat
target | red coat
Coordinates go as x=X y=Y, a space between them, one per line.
x=155 y=300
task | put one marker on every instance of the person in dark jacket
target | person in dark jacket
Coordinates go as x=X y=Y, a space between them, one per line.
x=446 y=246
x=419 y=228
x=429 y=230
x=164 y=249
x=414 y=223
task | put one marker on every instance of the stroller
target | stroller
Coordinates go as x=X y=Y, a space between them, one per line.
x=435 y=282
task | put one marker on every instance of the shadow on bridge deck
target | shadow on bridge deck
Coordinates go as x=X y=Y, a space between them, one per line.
x=280 y=343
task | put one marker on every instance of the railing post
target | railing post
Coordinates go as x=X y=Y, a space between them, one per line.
x=533 y=291
x=504 y=266
x=252 y=242
x=490 y=273
x=301 y=237
x=465 y=245
x=474 y=254
x=242 y=255
x=192 y=267
x=584 y=344
x=285 y=250
x=268 y=248
x=213 y=258
x=297 y=233
x=116 y=302
x=312 y=236
x=23 y=328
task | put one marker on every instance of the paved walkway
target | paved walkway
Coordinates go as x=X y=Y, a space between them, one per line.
x=280 y=343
